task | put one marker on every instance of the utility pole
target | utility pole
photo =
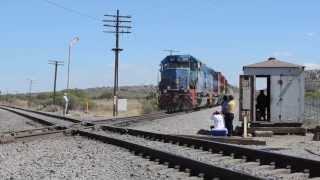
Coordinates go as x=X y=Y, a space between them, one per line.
x=56 y=64
x=7 y=94
x=171 y=51
x=31 y=81
x=73 y=42
x=120 y=25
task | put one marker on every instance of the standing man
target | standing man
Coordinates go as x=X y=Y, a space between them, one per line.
x=66 y=100
x=229 y=115
x=224 y=107
x=262 y=102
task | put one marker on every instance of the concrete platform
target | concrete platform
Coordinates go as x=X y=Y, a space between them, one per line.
x=280 y=130
x=231 y=140
x=274 y=124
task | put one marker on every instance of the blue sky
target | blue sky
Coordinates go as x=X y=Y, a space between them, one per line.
x=224 y=34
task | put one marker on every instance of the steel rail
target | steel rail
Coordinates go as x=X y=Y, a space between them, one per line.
x=38 y=134
x=46 y=114
x=296 y=164
x=144 y=116
x=39 y=120
x=26 y=130
x=196 y=167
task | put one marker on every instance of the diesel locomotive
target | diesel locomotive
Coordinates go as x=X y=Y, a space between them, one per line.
x=186 y=83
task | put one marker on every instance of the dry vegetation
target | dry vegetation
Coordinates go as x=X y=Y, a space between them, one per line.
x=141 y=99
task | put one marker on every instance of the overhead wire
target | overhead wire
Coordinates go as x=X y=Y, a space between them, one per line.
x=70 y=10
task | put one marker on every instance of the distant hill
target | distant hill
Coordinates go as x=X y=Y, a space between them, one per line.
x=129 y=92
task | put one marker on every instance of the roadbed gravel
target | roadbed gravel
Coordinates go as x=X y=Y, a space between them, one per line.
x=239 y=165
x=68 y=157
x=10 y=122
x=190 y=124
x=295 y=145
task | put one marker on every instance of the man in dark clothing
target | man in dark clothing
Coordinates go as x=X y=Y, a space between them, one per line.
x=229 y=115
x=262 y=102
x=224 y=107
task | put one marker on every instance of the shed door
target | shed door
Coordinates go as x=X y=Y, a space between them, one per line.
x=246 y=97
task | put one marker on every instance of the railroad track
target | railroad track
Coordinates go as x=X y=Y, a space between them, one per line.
x=125 y=121
x=119 y=122
x=184 y=164
x=257 y=164
x=65 y=118
x=199 y=157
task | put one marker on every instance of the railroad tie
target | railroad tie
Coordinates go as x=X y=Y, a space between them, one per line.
x=295 y=176
x=5 y=139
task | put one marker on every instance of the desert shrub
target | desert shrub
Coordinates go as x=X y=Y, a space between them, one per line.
x=312 y=94
x=42 y=96
x=149 y=104
x=77 y=99
x=106 y=95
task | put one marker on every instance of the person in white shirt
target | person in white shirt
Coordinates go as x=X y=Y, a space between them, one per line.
x=218 y=124
x=66 y=100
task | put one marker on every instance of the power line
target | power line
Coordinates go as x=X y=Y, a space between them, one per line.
x=71 y=10
x=119 y=25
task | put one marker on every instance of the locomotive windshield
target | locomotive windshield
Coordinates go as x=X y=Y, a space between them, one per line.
x=188 y=65
x=175 y=78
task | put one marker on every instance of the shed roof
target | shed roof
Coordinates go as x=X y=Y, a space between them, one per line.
x=273 y=63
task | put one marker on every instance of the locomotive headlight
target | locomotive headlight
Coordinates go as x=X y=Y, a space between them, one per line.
x=165 y=91
x=168 y=87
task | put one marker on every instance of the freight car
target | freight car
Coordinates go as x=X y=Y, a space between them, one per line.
x=186 y=83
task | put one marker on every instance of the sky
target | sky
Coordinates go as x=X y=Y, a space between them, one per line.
x=224 y=34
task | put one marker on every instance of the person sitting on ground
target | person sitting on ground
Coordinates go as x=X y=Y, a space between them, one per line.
x=218 y=128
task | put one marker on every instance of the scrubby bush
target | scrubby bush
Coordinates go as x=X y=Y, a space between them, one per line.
x=77 y=99
x=106 y=95
x=312 y=94
x=149 y=104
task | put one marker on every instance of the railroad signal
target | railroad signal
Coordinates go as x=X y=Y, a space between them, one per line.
x=119 y=24
x=56 y=64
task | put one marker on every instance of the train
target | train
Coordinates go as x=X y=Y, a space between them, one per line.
x=186 y=83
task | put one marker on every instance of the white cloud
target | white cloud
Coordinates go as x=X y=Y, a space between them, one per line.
x=311 y=34
x=311 y=66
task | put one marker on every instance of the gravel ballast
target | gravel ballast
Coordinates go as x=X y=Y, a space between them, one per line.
x=252 y=168
x=189 y=123
x=10 y=121
x=294 y=145
x=60 y=157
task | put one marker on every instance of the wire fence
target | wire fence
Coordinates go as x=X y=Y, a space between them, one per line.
x=312 y=108
x=312 y=100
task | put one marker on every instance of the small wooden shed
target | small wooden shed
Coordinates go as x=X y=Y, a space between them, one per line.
x=284 y=92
